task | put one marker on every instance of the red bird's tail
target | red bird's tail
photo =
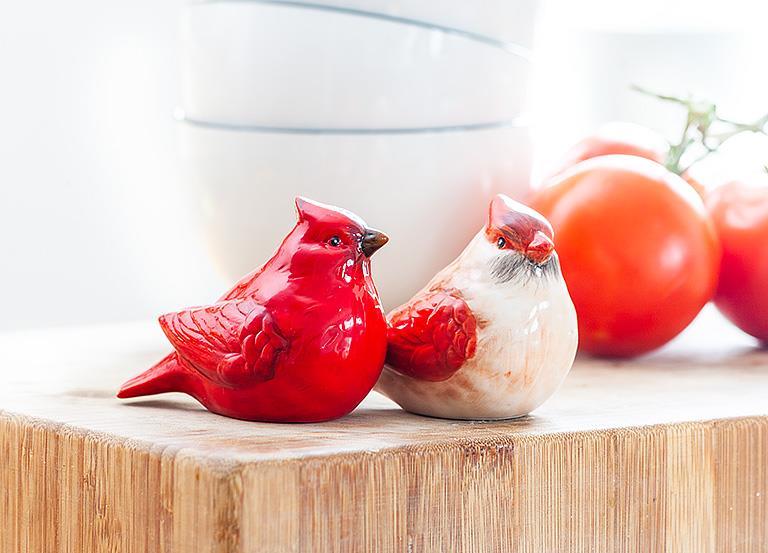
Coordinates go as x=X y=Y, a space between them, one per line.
x=164 y=376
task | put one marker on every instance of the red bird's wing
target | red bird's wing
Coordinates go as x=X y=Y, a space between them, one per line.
x=431 y=337
x=233 y=343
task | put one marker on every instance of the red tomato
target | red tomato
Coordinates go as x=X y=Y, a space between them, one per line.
x=618 y=138
x=625 y=139
x=637 y=248
x=740 y=214
x=700 y=189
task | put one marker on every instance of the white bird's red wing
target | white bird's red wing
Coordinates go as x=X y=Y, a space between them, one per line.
x=233 y=343
x=432 y=336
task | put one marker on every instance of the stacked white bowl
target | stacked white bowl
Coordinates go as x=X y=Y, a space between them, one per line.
x=410 y=113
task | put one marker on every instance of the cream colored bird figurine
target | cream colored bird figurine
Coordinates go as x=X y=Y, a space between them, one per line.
x=494 y=334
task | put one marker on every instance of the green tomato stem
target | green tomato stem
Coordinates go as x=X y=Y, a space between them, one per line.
x=702 y=119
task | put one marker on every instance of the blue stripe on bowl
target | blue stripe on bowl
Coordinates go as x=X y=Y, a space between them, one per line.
x=509 y=47
x=517 y=122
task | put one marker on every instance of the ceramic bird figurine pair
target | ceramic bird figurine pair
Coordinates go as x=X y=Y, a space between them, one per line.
x=304 y=337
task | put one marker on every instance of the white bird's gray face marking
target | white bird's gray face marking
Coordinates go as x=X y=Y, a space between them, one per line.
x=514 y=266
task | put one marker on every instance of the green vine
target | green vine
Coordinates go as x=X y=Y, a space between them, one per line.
x=704 y=131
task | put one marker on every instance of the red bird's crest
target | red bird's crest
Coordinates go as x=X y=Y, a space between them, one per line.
x=315 y=212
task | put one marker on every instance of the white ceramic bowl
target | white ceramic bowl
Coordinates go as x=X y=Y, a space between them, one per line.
x=429 y=192
x=249 y=63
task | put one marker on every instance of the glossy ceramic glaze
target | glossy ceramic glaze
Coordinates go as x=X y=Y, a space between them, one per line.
x=504 y=340
x=301 y=339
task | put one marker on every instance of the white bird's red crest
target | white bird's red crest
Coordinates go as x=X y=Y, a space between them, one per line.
x=512 y=225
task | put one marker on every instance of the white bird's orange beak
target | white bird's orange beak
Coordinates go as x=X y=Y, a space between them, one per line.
x=540 y=249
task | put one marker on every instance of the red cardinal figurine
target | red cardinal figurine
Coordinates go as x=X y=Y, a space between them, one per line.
x=302 y=339
x=493 y=334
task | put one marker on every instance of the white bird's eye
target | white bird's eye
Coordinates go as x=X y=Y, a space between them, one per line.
x=501 y=242
x=334 y=241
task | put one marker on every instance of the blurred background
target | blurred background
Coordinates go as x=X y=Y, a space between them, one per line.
x=112 y=208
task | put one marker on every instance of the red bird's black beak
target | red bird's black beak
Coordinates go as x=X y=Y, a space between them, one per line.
x=372 y=241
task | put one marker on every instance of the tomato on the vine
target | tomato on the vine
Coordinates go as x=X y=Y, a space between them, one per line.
x=623 y=138
x=617 y=137
x=740 y=214
x=638 y=251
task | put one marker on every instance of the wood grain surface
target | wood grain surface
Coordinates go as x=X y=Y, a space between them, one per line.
x=668 y=453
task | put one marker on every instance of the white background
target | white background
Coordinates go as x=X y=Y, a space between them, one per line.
x=94 y=224
x=92 y=221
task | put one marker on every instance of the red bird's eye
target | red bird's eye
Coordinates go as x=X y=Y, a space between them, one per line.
x=501 y=242
x=334 y=241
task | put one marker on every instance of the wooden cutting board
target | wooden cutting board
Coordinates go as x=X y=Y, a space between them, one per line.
x=668 y=453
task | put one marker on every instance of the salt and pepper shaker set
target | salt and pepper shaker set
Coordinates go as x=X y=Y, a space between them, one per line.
x=304 y=337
